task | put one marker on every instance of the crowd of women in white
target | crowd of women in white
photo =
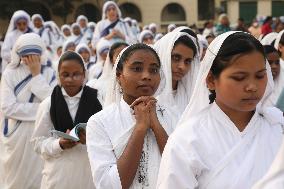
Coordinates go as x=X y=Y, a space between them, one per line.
x=162 y=111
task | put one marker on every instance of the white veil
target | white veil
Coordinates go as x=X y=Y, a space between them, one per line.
x=199 y=99
x=164 y=47
x=16 y=16
x=27 y=41
x=113 y=94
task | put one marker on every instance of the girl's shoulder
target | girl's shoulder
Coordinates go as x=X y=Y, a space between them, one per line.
x=105 y=114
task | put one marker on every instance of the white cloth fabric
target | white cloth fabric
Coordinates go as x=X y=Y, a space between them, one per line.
x=269 y=38
x=96 y=70
x=185 y=88
x=275 y=176
x=144 y=33
x=113 y=93
x=278 y=37
x=208 y=151
x=35 y=16
x=51 y=36
x=68 y=168
x=22 y=167
x=92 y=60
x=63 y=27
x=12 y=35
x=107 y=139
x=103 y=81
x=278 y=86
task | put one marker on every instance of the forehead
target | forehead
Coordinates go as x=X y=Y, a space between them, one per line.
x=109 y=7
x=144 y=56
x=272 y=55
x=182 y=50
x=70 y=65
x=250 y=62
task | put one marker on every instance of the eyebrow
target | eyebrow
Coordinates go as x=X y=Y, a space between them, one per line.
x=242 y=72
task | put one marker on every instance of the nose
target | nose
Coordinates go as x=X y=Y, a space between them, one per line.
x=181 y=66
x=251 y=87
x=146 y=75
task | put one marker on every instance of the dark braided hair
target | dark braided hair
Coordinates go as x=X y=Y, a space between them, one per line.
x=239 y=43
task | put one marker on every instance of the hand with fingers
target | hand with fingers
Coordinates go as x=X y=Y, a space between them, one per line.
x=66 y=143
x=33 y=62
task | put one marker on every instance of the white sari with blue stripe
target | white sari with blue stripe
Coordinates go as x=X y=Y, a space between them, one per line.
x=20 y=97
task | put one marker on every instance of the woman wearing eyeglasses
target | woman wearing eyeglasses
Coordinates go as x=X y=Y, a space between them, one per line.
x=65 y=161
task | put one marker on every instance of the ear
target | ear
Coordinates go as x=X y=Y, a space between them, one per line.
x=210 y=81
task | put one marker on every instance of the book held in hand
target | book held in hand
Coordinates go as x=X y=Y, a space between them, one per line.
x=74 y=133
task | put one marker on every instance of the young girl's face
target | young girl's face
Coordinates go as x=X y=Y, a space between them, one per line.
x=140 y=75
x=240 y=86
x=71 y=75
x=181 y=59
x=85 y=54
x=274 y=62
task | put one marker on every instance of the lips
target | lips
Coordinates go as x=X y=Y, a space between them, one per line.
x=178 y=74
x=251 y=100
x=145 y=86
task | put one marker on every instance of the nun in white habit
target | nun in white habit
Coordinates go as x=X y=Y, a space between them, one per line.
x=37 y=23
x=179 y=97
x=208 y=151
x=108 y=134
x=89 y=60
x=112 y=27
x=12 y=34
x=22 y=89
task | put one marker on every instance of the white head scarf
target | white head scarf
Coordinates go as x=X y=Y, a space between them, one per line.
x=20 y=14
x=28 y=43
x=65 y=26
x=153 y=25
x=180 y=28
x=113 y=94
x=82 y=17
x=92 y=24
x=83 y=46
x=106 y=5
x=37 y=16
x=144 y=33
x=277 y=41
x=73 y=26
x=171 y=27
x=164 y=49
x=158 y=37
x=66 y=44
x=269 y=38
x=200 y=96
